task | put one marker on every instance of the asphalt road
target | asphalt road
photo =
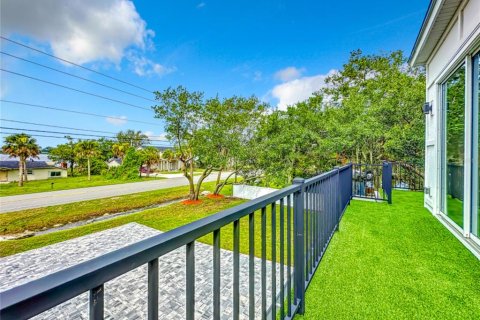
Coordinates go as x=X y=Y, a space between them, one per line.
x=52 y=198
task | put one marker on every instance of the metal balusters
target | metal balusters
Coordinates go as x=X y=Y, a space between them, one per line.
x=236 y=269
x=312 y=231
x=317 y=220
x=289 y=256
x=324 y=214
x=299 y=246
x=190 y=280
x=274 y=258
x=96 y=303
x=153 y=289
x=306 y=232
x=264 y=263
x=216 y=274
x=318 y=204
x=282 y=256
x=251 y=266
x=314 y=227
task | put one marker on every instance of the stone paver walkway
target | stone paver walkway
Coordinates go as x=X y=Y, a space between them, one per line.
x=126 y=296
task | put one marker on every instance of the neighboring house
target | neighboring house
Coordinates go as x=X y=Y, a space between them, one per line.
x=114 y=162
x=169 y=165
x=36 y=170
x=448 y=45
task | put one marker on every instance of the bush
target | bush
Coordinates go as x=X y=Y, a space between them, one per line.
x=130 y=168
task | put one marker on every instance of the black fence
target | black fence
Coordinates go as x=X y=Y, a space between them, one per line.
x=407 y=176
x=455 y=174
x=313 y=208
x=372 y=181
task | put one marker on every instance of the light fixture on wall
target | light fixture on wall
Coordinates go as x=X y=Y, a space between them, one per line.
x=427 y=108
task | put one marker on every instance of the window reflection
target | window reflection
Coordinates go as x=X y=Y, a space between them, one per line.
x=454 y=91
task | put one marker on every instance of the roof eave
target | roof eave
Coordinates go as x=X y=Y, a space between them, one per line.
x=420 y=40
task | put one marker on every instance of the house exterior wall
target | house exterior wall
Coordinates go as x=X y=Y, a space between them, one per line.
x=459 y=42
x=457 y=46
x=37 y=174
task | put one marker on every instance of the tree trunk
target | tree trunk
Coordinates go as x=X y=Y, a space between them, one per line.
x=205 y=174
x=148 y=171
x=221 y=185
x=20 y=173
x=25 y=172
x=217 y=184
x=88 y=168
x=71 y=167
x=189 y=177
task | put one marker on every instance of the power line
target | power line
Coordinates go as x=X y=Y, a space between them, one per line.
x=77 y=134
x=73 y=89
x=55 y=126
x=75 y=76
x=75 y=64
x=76 y=112
x=64 y=137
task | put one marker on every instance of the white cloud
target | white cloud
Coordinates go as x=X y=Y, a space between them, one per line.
x=153 y=136
x=289 y=73
x=117 y=120
x=145 y=67
x=81 y=31
x=297 y=90
x=201 y=5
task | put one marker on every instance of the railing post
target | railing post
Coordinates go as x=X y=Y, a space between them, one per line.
x=387 y=180
x=338 y=190
x=299 y=245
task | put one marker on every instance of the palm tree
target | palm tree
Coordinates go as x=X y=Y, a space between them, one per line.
x=119 y=149
x=87 y=149
x=22 y=146
x=150 y=156
x=133 y=138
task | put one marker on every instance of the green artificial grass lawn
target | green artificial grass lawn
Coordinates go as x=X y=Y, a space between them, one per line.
x=394 y=262
x=34 y=186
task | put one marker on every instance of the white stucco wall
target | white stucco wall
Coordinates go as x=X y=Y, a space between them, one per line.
x=460 y=40
x=250 y=192
x=38 y=174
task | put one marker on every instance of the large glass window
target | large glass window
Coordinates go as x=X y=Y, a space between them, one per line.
x=476 y=146
x=454 y=145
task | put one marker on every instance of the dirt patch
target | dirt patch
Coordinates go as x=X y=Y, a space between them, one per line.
x=191 y=202
x=215 y=196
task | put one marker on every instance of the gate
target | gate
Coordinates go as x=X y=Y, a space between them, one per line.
x=372 y=181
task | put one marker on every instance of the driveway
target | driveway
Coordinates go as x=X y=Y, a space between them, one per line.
x=52 y=198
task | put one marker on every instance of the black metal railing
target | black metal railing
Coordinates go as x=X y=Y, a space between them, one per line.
x=407 y=176
x=311 y=208
x=372 y=181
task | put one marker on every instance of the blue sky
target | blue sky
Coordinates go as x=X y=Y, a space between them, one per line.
x=280 y=51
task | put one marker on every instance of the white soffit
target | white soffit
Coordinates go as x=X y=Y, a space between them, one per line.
x=436 y=21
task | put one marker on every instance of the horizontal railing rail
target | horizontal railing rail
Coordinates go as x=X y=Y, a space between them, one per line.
x=310 y=208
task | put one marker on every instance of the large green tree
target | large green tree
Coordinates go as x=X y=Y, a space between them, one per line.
x=375 y=102
x=369 y=111
x=222 y=143
x=22 y=146
x=182 y=112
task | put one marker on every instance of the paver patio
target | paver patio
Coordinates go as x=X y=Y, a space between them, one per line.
x=126 y=296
